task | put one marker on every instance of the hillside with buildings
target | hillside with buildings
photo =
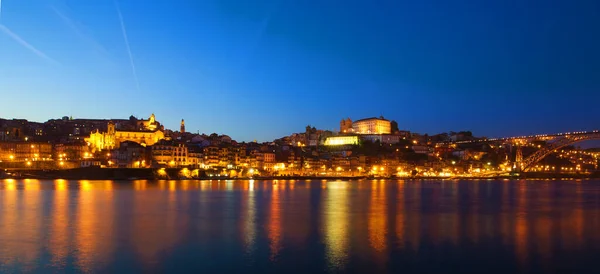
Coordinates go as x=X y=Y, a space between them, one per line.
x=365 y=147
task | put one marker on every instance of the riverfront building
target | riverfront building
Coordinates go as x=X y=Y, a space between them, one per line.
x=25 y=151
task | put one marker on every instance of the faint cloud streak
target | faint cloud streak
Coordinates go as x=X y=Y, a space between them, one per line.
x=137 y=82
x=77 y=30
x=25 y=44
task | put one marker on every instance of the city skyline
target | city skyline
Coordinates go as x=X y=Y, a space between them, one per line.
x=264 y=70
x=353 y=133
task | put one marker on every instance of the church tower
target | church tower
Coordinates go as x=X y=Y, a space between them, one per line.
x=110 y=138
x=111 y=128
x=182 y=128
x=346 y=126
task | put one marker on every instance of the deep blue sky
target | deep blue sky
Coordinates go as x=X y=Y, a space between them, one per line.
x=264 y=69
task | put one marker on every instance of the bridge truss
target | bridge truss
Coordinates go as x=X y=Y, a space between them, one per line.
x=553 y=145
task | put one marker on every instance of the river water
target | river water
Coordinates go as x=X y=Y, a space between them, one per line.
x=367 y=226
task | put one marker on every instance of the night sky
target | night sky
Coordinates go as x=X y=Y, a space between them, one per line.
x=264 y=69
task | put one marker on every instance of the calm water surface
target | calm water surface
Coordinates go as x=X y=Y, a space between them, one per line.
x=365 y=226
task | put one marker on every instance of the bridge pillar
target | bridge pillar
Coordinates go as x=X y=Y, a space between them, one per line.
x=518 y=165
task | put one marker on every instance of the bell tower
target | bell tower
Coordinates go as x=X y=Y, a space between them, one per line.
x=182 y=127
x=109 y=137
x=111 y=127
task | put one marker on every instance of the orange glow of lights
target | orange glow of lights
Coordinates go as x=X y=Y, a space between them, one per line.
x=85 y=185
x=60 y=185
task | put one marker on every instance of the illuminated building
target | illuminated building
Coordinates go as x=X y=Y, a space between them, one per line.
x=224 y=158
x=341 y=140
x=175 y=154
x=211 y=156
x=148 y=134
x=75 y=150
x=372 y=126
x=151 y=124
x=269 y=157
x=265 y=160
x=346 y=126
x=182 y=127
x=25 y=151
x=130 y=155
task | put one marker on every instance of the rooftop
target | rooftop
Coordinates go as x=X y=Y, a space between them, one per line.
x=372 y=118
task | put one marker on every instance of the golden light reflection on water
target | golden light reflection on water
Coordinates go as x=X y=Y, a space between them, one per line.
x=506 y=218
x=297 y=228
x=140 y=185
x=400 y=215
x=61 y=185
x=58 y=244
x=32 y=185
x=78 y=222
x=336 y=207
x=21 y=217
x=85 y=185
x=154 y=227
x=30 y=222
x=578 y=217
x=10 y=184
x=543 y=223
x=185 y=185
x=521 y=224
x=377 y=219
x=249 y=218
x=94 y=239
x=204 y=186
x=9 y=234
x=274 y=225
x=413 y=217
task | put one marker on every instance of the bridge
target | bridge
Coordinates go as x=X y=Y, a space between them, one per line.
x=541 y=137
x=554 y=142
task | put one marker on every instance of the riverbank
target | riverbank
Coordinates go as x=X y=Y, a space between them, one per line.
x=96 y=173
